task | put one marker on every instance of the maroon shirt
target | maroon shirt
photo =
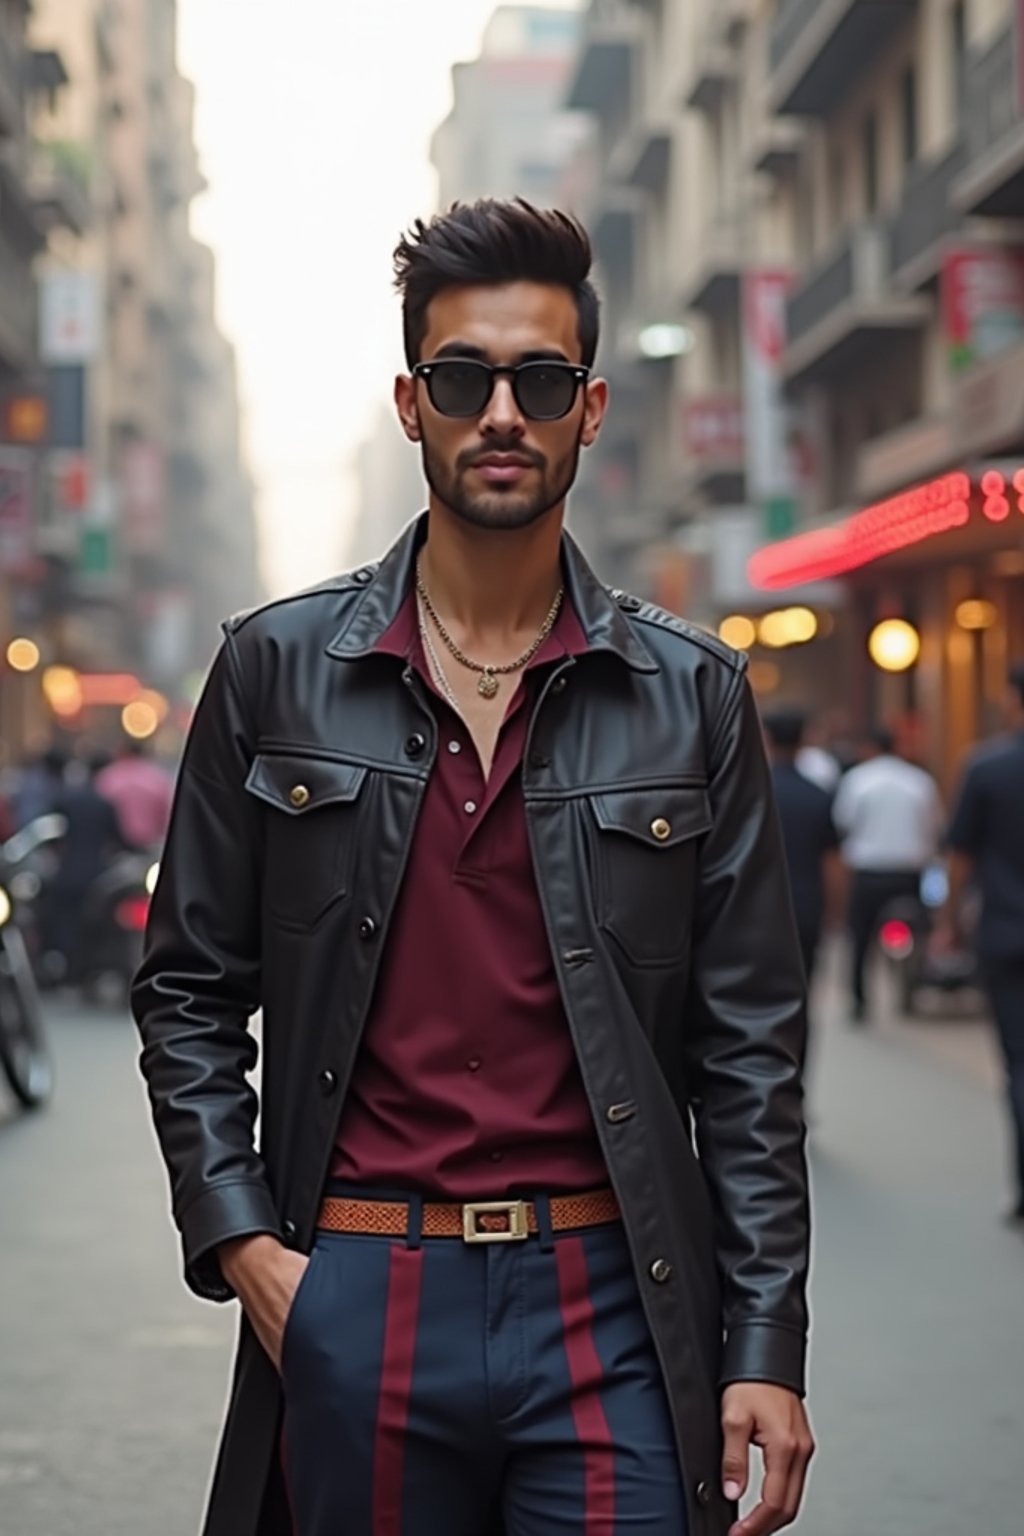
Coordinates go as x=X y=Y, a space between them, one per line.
x=466 y=1085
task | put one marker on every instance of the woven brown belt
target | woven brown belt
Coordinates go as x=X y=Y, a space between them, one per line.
x=481 y=1221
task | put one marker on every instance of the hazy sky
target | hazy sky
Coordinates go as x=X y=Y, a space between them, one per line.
x=313 y=121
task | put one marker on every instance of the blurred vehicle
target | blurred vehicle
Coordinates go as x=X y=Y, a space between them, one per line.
x=112 y=926
x=905 y=934
x=24 y=1052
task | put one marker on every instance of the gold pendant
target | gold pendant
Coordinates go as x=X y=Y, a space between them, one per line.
x=488 y=684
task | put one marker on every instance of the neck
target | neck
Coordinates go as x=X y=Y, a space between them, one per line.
x=492 y=582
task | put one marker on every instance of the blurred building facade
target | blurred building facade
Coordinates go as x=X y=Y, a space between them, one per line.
x=804 y=213
x=137 y=528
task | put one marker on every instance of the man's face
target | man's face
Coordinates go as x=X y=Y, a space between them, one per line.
x=500 y=469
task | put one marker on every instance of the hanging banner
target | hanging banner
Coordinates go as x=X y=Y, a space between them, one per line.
x=772 y=483
x=982 y=302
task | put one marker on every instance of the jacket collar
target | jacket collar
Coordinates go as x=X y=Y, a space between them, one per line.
x=386 y=587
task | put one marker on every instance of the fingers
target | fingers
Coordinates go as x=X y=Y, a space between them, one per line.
x=787 y=1458
x=737 y=1429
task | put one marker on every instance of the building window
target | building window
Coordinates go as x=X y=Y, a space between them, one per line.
x=908 y=94
x=870 y=141
x=958 y=56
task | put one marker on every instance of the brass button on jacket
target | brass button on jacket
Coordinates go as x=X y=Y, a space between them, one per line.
x=661 y=829
x=299 y=796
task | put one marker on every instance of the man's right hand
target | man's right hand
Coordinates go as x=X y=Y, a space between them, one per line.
x=265 y=1276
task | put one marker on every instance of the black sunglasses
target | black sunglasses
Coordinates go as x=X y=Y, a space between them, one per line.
x=462 y=386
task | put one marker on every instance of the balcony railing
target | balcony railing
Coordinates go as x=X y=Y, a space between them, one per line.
x=927 y=215
x=993 y=182
x=848 y=299
x=819 y=49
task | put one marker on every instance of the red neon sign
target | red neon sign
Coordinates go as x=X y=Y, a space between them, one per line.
x=880 y=530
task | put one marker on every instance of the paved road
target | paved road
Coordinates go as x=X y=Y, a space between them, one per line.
x=112 y=1378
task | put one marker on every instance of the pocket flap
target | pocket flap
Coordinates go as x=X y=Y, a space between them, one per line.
x=298 y=784
x=659 y=817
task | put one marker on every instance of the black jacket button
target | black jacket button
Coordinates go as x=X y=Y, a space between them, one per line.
x=328 y=1082
x=416 y=745
x=704 y=1494
x=290 y=1231
x=559 y=685
x=367 y=929
x=661 y=1270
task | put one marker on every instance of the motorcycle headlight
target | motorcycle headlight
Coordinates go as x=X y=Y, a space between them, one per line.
x=152 y=876
x=5 y=907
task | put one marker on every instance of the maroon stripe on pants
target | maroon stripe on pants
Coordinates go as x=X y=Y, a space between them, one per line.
x=405 y=1277
x=587 y=1378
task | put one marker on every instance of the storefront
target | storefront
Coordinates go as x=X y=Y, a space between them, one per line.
x=941 y=567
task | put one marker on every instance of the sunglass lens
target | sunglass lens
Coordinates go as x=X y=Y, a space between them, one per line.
x=459 y=388
x=545 y=392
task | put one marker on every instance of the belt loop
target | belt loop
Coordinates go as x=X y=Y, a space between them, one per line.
x=414 y=1221
x=542 y=1211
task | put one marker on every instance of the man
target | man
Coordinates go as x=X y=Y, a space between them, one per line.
x=494 y=850
x=986 y=841
x=808 y=834
x=889 y=816
x=141 y=792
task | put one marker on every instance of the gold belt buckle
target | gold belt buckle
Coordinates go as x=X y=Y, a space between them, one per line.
x=513 y=1210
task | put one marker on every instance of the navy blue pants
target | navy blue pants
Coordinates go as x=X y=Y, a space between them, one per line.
x=428 y=1385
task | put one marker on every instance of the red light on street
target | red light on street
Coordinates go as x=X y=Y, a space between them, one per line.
x=993 y=483
x=896 y=938
x=133 y=914
x=996 y=509
x=1018 y=482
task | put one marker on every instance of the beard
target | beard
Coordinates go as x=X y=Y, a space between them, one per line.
x=499 y=509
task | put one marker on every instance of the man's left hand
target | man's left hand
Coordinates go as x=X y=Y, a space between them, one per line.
x=756 y=1413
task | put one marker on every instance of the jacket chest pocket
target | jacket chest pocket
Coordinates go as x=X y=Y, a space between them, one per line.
x=310 y=833
x=646 y=845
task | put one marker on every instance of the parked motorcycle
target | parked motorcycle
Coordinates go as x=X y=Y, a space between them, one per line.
x=24 y=1052
x=113 y=925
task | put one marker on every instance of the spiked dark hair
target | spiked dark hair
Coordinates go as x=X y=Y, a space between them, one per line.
x=494 y=241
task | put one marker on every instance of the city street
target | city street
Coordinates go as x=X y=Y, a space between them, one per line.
x=113 y=1378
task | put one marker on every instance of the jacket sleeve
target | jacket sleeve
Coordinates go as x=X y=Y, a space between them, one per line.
x=745 y=1042
x=199 y=984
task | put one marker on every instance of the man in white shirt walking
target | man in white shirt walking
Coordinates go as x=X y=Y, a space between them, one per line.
x=889 y=815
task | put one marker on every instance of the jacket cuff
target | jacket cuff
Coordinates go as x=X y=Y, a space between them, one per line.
x=226 y=1211
x=760 y=1351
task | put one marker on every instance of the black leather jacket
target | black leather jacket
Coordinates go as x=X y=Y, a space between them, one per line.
x=676 y=955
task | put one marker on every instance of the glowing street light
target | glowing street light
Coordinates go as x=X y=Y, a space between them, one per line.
x=894 y=645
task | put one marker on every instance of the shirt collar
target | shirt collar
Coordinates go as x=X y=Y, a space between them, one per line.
x=402 y=636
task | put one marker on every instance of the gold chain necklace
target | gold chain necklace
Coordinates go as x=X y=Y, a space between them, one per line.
x=487 y=687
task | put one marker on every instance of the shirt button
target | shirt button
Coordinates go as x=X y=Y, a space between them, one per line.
x=454 y=748
x=367 y=929
x=661 y=1270
x=470 y=807
x=474 y=1063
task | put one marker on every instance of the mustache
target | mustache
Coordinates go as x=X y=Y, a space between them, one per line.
x=471 y=456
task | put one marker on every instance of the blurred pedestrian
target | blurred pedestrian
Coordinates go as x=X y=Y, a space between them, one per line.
x=494 y=850
x=141 y=792
x=888 y=813
x=986 y=842
x=815 y=761
x=816 y=873
x=38 y=784
x=91 y=839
